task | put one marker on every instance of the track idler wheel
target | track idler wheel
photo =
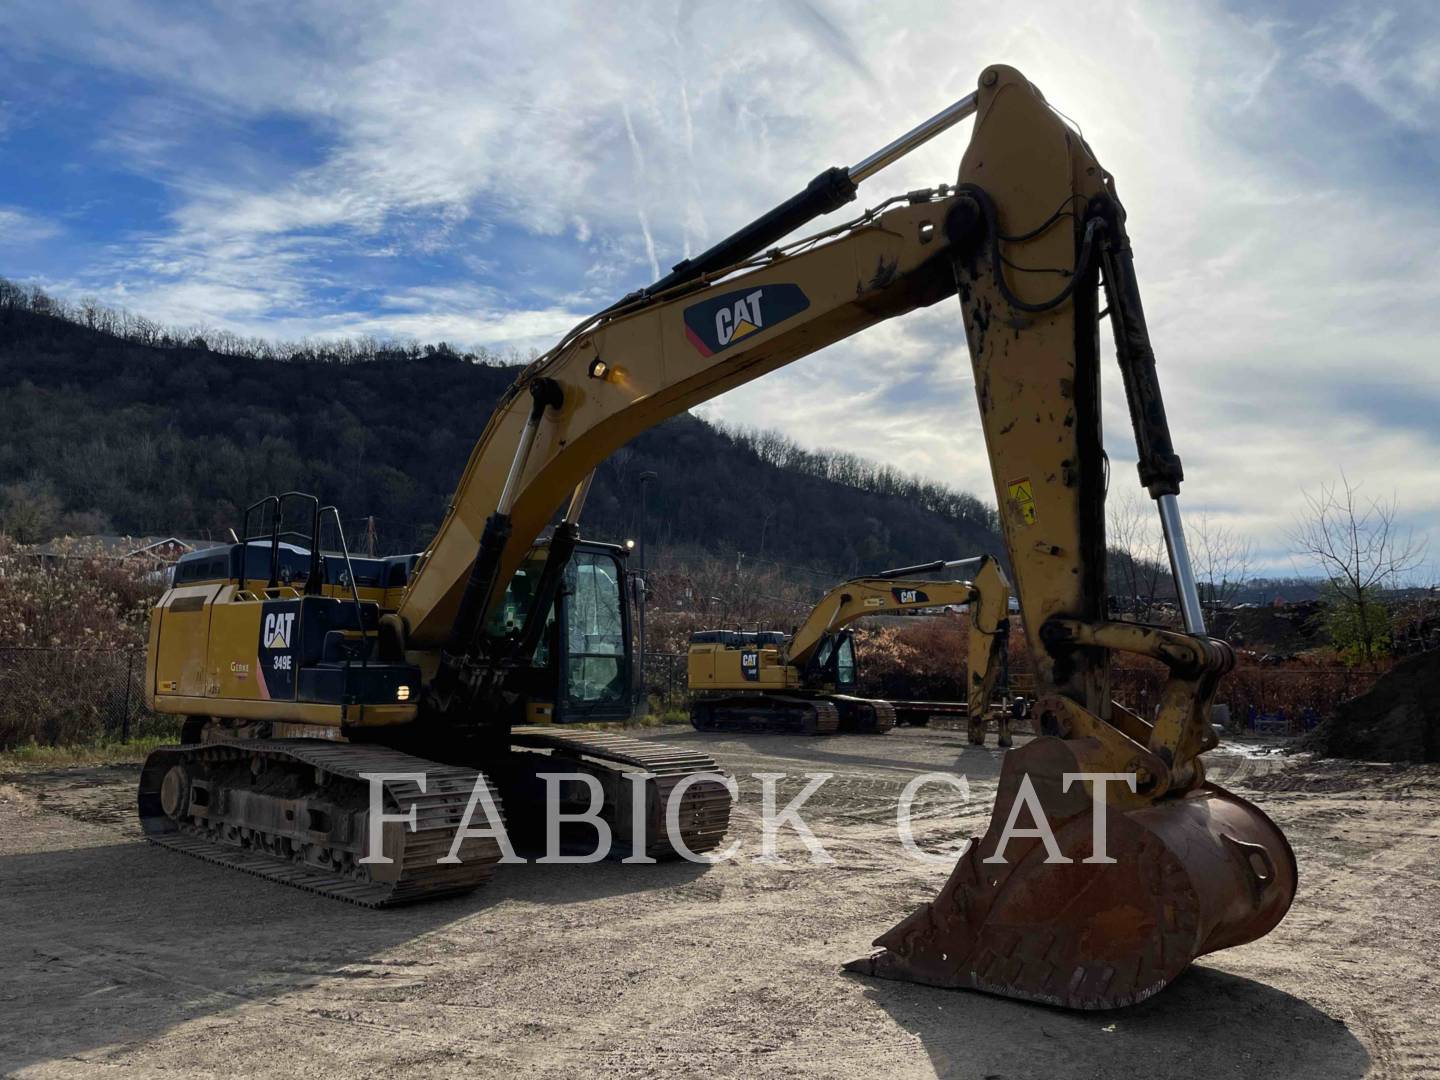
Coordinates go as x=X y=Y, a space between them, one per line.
x=175 y=792
x=1191 y=874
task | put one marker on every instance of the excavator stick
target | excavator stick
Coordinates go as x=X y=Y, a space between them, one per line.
x=1186 y=876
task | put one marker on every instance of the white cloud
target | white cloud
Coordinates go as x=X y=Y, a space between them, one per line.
x=19 y=228
x=1288 y=268
x=1387 y=58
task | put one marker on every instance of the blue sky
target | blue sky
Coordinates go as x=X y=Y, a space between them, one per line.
x=487 y=174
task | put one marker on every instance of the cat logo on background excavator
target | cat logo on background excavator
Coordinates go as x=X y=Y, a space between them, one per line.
x=716 y=324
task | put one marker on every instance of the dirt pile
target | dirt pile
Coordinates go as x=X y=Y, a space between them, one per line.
x=1398 y=719
x=1285 y=629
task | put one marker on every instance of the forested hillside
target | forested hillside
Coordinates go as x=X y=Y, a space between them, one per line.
x=110 y=423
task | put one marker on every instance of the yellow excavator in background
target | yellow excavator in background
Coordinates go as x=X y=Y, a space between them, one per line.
x=297 y=691
x=764 y=681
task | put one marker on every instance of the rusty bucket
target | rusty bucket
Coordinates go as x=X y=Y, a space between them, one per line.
x=1191 y=874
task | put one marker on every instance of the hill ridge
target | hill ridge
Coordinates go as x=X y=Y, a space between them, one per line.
x=106 y=434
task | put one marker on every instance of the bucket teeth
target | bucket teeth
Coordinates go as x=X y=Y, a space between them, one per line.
x=1190 y=874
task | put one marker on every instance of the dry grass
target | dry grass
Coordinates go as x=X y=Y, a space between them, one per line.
x=34 y=756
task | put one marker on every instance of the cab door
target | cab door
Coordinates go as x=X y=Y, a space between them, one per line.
x=845 y=671
x=595 y=633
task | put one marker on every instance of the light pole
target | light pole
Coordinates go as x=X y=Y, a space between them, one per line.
x=645 y=478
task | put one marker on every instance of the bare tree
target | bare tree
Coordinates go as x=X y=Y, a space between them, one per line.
x=766 y=510
x=1358 y=546
x=29 y=510
x=1138 y=559
x=1222 y=560
x=621 y=466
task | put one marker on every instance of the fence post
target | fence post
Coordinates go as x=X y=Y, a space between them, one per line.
x=125 y=712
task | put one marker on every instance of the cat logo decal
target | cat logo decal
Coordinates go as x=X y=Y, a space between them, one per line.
x=279 y=626
x=714 y=325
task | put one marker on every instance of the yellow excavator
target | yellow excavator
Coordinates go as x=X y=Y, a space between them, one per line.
x=764 y=681
x=297 y=692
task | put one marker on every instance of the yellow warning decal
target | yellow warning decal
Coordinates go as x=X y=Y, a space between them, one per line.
x=1022 y=497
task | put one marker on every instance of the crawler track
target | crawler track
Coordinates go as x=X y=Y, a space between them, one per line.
x=294 y=780
x=864 y=716
x=704 y=814
x=766 y=712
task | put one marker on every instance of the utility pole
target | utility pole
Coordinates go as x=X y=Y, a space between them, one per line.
x=645 y=479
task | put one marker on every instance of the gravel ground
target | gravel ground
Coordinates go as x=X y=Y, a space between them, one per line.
x=124 y=959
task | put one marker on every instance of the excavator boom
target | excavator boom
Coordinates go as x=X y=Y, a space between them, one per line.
x=632 y=367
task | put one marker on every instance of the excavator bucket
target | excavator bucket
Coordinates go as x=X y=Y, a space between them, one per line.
x=1190 y=875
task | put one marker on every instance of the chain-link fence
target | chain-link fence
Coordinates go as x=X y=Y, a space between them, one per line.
x=665 y=677
x=63 y=697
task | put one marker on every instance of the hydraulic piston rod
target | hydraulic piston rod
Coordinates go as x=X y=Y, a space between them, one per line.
x=829 y=191
x=1185 y=588
x=917 y=136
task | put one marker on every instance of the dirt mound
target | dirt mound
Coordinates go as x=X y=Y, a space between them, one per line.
x=1287 y=629
x=1398 y=719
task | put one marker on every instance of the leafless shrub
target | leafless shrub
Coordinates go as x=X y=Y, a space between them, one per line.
x=1361 y=549
x=72 y=635
x=1222 y=560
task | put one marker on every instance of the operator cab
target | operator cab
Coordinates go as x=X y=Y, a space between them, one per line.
x=834 y=663
x=583 y=669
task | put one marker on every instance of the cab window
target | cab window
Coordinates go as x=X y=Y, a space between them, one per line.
x=509 y=615
x=845 y=662
x=822 y=654
x=595 y=630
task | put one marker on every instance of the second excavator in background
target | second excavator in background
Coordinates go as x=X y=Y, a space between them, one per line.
x=805 y=682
